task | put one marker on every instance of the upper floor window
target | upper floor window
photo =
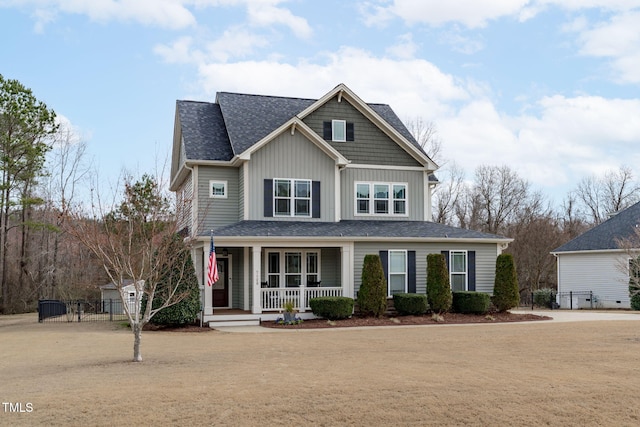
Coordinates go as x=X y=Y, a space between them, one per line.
x=292 y=197
x=338 y=131
x=218 y=189
x=285 y=197
x=381 y=198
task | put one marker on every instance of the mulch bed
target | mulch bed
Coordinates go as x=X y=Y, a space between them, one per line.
x=427 y=319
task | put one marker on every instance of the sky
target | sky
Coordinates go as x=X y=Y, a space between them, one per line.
x=547 y=87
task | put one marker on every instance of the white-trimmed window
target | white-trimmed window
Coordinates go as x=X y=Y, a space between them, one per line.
x=218 y=189
x=397 y=272
x=292 y=197
x=291 y=268
x=338 y=130
x=458 y=270
x=381 y=198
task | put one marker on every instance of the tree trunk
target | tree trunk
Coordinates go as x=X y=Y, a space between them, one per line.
x=137 y=337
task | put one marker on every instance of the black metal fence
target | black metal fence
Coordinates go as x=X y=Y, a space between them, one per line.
x=109 y=310
x=555 y=300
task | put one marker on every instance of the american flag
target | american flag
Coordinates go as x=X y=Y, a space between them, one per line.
x=212 y=271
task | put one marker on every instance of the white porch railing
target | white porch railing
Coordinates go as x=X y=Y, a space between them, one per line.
x=273 y=299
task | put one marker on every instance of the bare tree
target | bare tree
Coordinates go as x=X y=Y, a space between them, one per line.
x=426 y=135
x=500 y=193
x=133 y=240
x=601 y=196
x=447 y=193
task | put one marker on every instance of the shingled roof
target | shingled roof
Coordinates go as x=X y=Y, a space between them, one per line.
x=609 y=234
x=235 y=122
x=352 y=229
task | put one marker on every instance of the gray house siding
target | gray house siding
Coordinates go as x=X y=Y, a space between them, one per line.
x=184 y=203
x=415 y=191
x=241 y=190
x=293 y=157
x=215 y=212
x=486 y=255
x=370 y=145
x=330 y=267
x=237 y=277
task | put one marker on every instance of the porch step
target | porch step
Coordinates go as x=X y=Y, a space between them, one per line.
x=240 y=322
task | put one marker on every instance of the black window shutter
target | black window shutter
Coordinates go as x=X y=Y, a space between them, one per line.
x=471 y=270
x=350 y=132
x=268 y=198
x=411 y=273
x=384 y=258
x=327 y=131
x=315 y=199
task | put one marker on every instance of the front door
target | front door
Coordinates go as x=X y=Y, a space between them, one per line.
x=220 y=289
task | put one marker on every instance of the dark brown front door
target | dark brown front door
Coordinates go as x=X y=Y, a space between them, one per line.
x=220 y=289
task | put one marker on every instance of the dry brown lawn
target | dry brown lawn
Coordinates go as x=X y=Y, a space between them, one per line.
x=537 y=373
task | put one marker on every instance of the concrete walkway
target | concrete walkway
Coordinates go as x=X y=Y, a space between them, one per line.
x=557 y=315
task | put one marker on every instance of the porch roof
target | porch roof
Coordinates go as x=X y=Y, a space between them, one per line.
x=354 y=229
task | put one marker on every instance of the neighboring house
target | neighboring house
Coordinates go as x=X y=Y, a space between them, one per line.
x=597 y=262
x=298 y=191
x=110 y=297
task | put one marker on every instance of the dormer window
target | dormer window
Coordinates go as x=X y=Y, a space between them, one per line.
x=338 y=131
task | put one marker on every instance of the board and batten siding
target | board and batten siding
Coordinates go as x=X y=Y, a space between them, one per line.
x=603 y=273
x=370 y=146
x=290 y=157
x=216 y=212
x=415 y=191
x=486 y=254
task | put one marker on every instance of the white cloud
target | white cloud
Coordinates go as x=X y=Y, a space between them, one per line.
x=470 y=13
x=617 y=39
x=265 y=14
x=405 y=48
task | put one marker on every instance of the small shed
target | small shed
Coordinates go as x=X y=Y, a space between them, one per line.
x=110 y=297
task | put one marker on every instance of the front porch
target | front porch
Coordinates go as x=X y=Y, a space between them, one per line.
x=255 y=282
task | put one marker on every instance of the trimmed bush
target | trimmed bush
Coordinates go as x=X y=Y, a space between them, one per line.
x=438 y=286
x=407 y=304
x=506 y=293
x=635 y=302
x=372 y=296
x=544 y=297
x=471 y=302
x=332 y=308
x=186 y=311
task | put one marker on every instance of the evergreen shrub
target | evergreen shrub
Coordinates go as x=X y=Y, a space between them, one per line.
x=506 y=293
x=372 y=296
x=186 y=311
x=544 y=297
x=471 y=302
x=408 y=304
x=438 y=285
x=332 y=308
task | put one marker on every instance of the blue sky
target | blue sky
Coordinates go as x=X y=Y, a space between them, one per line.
x=550 y=87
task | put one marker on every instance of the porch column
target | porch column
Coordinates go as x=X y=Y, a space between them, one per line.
x=208 y=296
x=347 y=270
x=257 y=274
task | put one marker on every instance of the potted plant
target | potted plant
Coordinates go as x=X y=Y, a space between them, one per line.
x=289 y=311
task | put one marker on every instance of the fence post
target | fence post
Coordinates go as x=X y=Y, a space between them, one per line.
x=79 y=316
x=111 y=309
x=591 y=299
x=531 y=300
x=571 y=299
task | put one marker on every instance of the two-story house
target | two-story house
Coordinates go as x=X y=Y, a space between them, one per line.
x=297 y=191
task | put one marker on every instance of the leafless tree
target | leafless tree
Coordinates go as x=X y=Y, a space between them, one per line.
x=426 y=134
x=607 y=194
x=447 y=193
x=134 y=240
